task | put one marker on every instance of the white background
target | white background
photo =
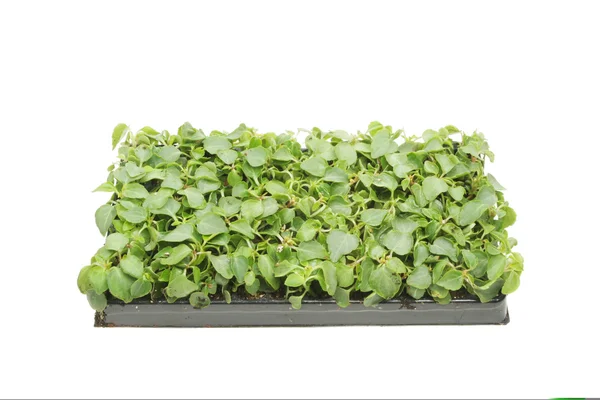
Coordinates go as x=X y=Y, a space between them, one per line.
x=524 y=73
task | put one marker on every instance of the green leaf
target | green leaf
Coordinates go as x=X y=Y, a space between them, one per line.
x=341 y=243
x=446 y=162
x=373 y=217
x=308 y=230
x=495 y=267
x=471 y=212
x=311 y=250
x=266 y=268
x=135 y=215
x=330 y=276
x=213 y=144
x=384 y=283
x=275 y=187
x=283 y=154
x=211 y=224
x=256 y=156
x=134 y=191
x=342 y=297
x=116 y=241
x=157 y=200
x=270 y=207
x=140 y=288
x=118 y=134
x=227 y=156
x=294 y=280
x=451 y=280
x=97 y=300
x=296 y=302
x=382 y=144
x=181 y=233
x=386 y=180
x=372 y=300
x=222 y=264
x=398 y=242
x=345 y=152
x=252 y=209
x=199 y=300
x=315 y=166
x=239 y=267
x=181 y=287
x=242 y=226
x=421 y=254
x=444 y=247
x=334 y=174
x=495 y=184
x=105 y=216
x=230 y=205
x=132 y=266
x=169 y=153
x=119 y=284
x=420 y=278
x=433 y=187
x=512 y=283
x=177 y=255
x=457 y=192
x=97 y=279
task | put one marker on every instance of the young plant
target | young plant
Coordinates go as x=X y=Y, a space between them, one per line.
x=201 y=216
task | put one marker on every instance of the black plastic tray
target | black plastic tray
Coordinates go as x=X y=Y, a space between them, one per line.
x=271 y=312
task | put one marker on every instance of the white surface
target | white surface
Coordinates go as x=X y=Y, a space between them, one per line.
x=524 y=73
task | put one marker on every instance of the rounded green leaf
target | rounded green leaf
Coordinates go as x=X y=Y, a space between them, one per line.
x=512 y=283
x=444 y=247
x=399 y=242
x=140 y=288
x=256 y=156
x=176 y=255
x=132 y=266
x=222 y=265
x=373 y=217
x=433 y=187
x=97 y=279
x=334 y=174
x=495 y=267
x=211 y=224
x=308 y=230
x=341 y=243
x=105 y=216
x=119 y=284
x=242 y=226
x=311 y=250
x=181 y=233
x=97 y=300
x=181 y=287
x=471 y=212
x=135 y=191
x=344 y=151
x=227 y=156
x=213 y=144
x=116 y=241
x=199 y=300
x=252 y=209
x=315 y=166
x=275 y=187
x=419 y=278
x=451 y=280
x=266 y=267
x=294 y=280
x=384 y=283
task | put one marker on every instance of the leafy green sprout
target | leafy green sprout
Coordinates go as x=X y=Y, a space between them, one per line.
x=369 y=216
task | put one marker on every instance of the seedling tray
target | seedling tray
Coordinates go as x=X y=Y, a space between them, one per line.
x=275 y=312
